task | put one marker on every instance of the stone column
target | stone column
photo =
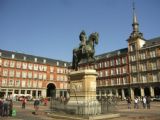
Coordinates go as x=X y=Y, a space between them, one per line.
x=152 y=91
x=123 y=95
x=142 y=91
x=116 y=92
x=132 y=93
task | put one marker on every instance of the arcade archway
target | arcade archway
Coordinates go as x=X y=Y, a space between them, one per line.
x=51 y=90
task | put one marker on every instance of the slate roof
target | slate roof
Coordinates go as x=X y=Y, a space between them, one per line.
x=112 y=53
x=31 y=58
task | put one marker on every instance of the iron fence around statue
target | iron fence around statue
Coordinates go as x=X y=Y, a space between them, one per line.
x=106 y=103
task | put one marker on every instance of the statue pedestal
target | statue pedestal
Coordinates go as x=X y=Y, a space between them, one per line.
x=83 y=92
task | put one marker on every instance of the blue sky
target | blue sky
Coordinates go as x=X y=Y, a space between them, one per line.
x=50 y=28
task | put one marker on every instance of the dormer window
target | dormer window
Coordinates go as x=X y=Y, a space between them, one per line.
x=13 y=56
x=44 y=61
x=57 y=63
x=35 y=59
x=0 y=54
x=65 y=64
x=24 y=58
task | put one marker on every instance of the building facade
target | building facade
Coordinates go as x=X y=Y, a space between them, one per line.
x=132 y=71
x=22 y=74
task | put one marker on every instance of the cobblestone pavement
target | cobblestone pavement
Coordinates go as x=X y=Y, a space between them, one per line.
x=126 y=114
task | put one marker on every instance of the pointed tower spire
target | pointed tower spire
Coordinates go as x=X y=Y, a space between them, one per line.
x=135 y=33
x=135 y=22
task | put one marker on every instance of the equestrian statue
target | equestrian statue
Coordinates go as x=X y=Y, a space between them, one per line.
x=85 y=52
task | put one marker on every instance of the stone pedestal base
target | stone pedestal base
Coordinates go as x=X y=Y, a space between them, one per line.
x=83 y=92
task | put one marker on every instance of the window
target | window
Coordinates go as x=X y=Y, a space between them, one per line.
x=57 y=63
x=134 y=68
x=101 y=74
x=143 y=56
x=11 y=83
x=17 y=83
x=35 y=59
x=44 y=61
x=155 y=78
x=23 y=83
x=18 y=74
x=35 y=75
x=24 y=74
x=124 y=80
x=5 y=72
x=41 y=67
x=112 y=62
x=45 y=68
x=40 y=76
x=153 y=65
x=29 y=74
x=112 y=72
x=11 y=73
x=24 y=58
x=35 y=67
x=12 y=64
x=143 y=67
x=133 y=58
x=144 y=78
x=30 y=66
x=13 y=56
x=4 y=82
x=106 y=64
x=118 y=61
x=106 y=73
x=124 y=69
x=132 y=47
x=51 y=69
x=18 y=65
x=134 y=79
x=44 y=76
x=51 y=77
x=6 y=63
x=29 y=83
x=24 y=65
x=152 y=54
x=124 y=60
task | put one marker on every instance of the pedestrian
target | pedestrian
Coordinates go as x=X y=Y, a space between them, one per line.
x=36 y=106
x=1 y=107
x=10 y=107
x=136 y=103
x=24 y=103
x=144 y=102
x=129 y=102
x=148 y=101
x=5 y=108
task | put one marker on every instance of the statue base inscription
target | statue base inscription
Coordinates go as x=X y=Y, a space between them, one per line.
x=83 y=92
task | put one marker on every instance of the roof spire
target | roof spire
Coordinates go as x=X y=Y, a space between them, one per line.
x=135 y=33
x=135 y=22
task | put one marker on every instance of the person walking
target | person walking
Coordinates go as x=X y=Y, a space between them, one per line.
x=144 y=102
x=10 y=107
x=1 y=107
x=148 y=101
x=5 y=108
x=36 y=106
x=136 y=103
x=23 y=103
x=129 y=102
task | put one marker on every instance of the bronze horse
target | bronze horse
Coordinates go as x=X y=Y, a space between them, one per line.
x=86 y=52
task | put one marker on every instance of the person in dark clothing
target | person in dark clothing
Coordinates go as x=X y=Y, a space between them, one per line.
x=129 y=102
x=5 y=108
x=36 y=105
x=10 y=107
x=1 y=107
x=148 y=101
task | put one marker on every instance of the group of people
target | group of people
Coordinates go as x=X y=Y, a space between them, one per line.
x=6 y=107
x=145 y=101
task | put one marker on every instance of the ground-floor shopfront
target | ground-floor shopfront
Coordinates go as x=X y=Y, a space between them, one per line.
x=140 y=90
